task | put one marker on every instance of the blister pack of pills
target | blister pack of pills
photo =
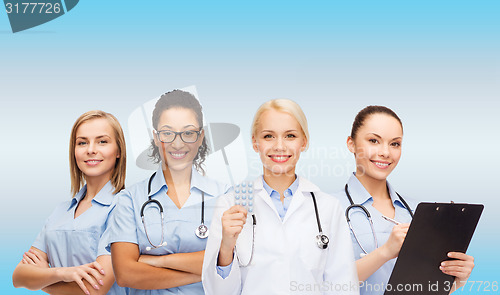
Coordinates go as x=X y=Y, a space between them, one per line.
x=243 y=195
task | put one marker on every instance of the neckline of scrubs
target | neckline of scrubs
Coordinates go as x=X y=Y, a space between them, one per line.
x=104 y=196
x=198 y=182
x=360 y=195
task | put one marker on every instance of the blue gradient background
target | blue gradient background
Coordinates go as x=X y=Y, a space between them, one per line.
x=436 y=63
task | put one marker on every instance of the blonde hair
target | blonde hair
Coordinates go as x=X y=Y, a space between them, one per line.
x=286 y=106
x=118 y=176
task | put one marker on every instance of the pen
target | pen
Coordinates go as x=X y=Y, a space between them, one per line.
x=391 y=220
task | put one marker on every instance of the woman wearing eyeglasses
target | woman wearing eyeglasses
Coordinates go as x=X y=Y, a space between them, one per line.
x=293 y=239
x=69 y=255
x=376 y=142
x=159 y=227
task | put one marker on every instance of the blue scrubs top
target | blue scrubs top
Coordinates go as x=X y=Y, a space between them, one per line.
x=179 y=224
x=70 y=241
x=377 y=282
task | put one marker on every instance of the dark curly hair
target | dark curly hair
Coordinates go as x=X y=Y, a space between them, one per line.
x=179 y=99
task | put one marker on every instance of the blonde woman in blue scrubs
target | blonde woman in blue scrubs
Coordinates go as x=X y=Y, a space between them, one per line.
x=376 y=139
x=69 y=255
x=164 y=255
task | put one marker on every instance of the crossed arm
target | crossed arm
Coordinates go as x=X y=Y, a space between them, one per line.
x=168 y=271
x=154 y=272
x=34 y=273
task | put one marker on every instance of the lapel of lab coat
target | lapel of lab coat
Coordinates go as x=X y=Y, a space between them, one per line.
x=302 y=194
x=262 y=193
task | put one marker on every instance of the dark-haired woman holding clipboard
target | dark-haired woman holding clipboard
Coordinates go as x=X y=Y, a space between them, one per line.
x=378 y=233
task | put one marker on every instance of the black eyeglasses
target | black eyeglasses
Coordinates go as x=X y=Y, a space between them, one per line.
x=188 y=136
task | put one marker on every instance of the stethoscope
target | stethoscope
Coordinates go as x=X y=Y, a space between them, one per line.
x=201 y=231
x=368 y=215
x=322 y=240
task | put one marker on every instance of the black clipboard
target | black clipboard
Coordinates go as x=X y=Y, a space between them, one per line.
x=436 y=229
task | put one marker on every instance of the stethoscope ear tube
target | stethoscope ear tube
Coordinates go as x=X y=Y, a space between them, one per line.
x=160 y=207
x=405 y=204
x=321 y=239
x=356 y=237
x=356 y=206
x=368 y=217
x=201 y=231
x=254 y=224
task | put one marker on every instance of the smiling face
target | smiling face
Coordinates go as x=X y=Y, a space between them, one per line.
x=279 y=140
x=377 y=146
x=178 y=155
x=96 y=149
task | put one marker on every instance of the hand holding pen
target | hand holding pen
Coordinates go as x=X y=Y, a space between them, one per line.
x=398 y=234
x=391 y=220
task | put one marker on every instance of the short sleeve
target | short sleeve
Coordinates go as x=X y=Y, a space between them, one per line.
x=105 y=237
x=121 y=225
x=40 y=242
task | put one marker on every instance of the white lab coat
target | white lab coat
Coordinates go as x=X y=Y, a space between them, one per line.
x=286 y=257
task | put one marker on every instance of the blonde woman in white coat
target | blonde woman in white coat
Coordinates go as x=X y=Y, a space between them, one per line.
x=279 y=253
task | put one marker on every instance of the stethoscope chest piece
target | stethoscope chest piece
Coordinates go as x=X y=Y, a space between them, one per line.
x=201 y=231
x=322 y=241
